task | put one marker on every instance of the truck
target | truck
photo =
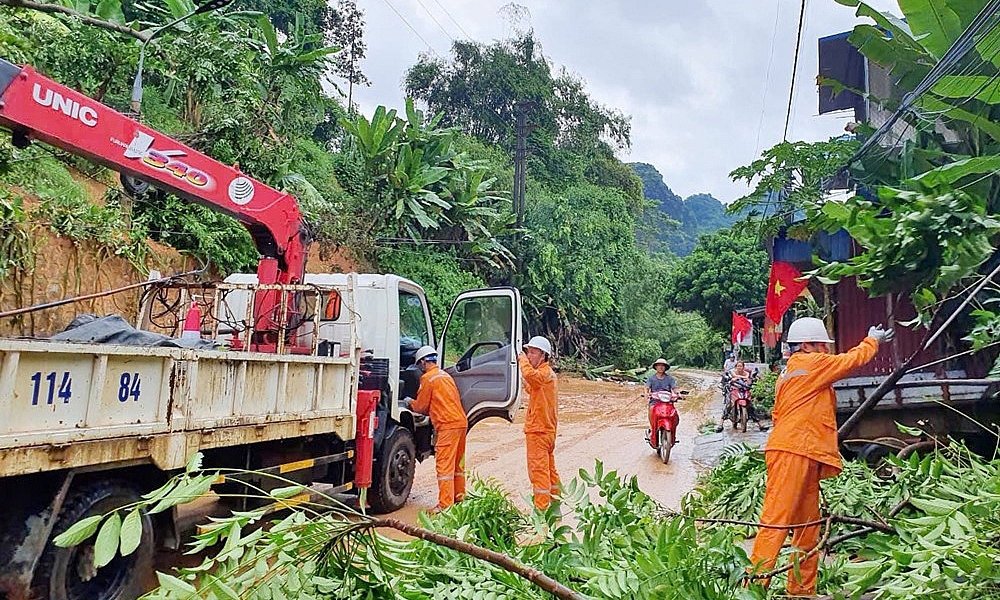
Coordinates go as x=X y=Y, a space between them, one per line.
x=281 y=386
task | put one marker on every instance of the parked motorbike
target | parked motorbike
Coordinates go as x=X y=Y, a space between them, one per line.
x=663 y=420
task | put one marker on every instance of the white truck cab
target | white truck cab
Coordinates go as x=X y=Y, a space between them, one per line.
x=478 y=347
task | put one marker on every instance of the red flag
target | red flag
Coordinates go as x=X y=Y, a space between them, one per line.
x=783 y=288
x=771 y=333
x=741 y=328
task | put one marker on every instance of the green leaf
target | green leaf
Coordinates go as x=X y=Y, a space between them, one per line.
x=78 y=532
x=935 y=506
x=963 y=87
x=953 y=172
x=933 y=23
x=106 y=545
x=111 y=10
x=194 y=463
x=131 y=533
x=287 y=492
x=173 y=584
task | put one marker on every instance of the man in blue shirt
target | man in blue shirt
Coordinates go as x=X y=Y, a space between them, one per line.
x=659 y=381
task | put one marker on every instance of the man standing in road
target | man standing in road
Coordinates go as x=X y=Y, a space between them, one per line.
x=803 y=449
x=540 y=424
x=438 y=397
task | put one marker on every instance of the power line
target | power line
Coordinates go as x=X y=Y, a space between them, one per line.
x=436 y=22
x=767 y=79
x=460 y=28
x=951 y=58
x=415 y=32
x=795 y=68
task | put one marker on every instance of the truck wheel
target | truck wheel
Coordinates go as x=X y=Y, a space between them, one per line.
x=393 y=476
x=69 y=574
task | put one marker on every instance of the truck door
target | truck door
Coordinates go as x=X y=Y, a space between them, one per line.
x=479 y=348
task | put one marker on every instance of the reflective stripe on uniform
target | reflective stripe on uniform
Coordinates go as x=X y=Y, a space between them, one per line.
x=446 y=478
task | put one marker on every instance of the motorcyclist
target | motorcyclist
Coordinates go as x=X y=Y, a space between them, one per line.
x=658 y=381
x=742 y=374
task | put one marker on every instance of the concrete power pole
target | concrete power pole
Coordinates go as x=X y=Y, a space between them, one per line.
x=523 y=128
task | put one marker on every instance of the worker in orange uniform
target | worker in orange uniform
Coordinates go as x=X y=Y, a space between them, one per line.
x=540 y=425
x=438 y=397
x=803 y=449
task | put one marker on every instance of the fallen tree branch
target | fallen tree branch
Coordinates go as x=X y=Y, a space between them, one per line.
x=503 y=561
x=835 y=518
x=890 y=382
x=47 y=7
x=820 y=544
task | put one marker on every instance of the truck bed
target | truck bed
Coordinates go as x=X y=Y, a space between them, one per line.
x=74 y=405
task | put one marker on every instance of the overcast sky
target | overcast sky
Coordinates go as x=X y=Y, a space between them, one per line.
x=705 y=81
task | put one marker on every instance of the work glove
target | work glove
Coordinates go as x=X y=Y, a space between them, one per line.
x=881 y=335
x=407 y=402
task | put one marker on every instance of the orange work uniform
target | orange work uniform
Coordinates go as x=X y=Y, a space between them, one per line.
x=438 y=397
x=540 y=430
x=801 y=451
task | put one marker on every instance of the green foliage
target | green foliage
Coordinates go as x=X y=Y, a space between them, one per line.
x=423 y=188
x=942 y=547
x=15 y=240
x=762 y=392
x=63 y=205
x=671 y=223
x=216 y=239
x=579 y=259
x=789 y=177
x=938 y=239
x=728 y=269
x=438 y=272
x=480 y=87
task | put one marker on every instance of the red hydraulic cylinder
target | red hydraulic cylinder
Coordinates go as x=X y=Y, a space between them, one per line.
x=364 y=438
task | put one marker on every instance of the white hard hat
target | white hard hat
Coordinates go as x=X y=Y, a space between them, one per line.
x=541 y=343
x=425 y=352
x=808 y=329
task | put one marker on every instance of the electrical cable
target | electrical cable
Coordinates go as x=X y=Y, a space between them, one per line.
x=795 y=67
x=436 y=22
x=415 y=32
x=961 y=47
x=460 y=28
x=767 y=78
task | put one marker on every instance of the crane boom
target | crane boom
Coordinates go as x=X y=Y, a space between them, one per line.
x=35 y=107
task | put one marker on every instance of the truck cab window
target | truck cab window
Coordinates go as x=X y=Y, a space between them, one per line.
x=478 y=332
x=413 y=331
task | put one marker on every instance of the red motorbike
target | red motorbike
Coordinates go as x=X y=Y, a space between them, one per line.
x=739 y=410
x=663 y=420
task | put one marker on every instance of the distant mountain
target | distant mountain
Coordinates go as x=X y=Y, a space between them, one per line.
x=697 y=214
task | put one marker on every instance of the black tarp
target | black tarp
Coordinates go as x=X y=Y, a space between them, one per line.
x=115 y=330
x=840 y=61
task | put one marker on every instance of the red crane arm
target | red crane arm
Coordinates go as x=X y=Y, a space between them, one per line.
x=33 y=106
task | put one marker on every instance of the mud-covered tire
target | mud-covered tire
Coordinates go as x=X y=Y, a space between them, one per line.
x=393 y=476
x=666 y=442
x=67 y=573
x=744 y=415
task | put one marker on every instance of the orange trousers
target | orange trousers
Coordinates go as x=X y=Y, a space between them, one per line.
x=791 y=497
x=542 y=467
x=449 y=451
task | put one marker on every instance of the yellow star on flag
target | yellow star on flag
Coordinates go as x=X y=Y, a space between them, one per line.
x=778 y=288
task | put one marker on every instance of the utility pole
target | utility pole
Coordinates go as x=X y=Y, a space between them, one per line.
x=523 y=128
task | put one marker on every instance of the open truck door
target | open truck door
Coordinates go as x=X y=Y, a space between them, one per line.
x=479 y=348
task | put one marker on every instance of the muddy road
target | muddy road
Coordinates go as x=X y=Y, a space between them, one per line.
x=597 y=421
